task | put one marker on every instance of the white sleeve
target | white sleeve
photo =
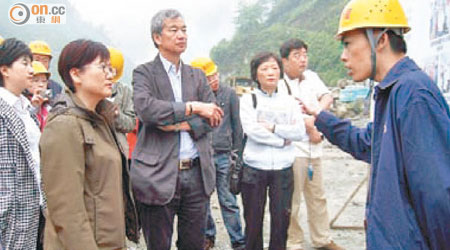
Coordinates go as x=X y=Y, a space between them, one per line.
x=252 y=128
x=319 y=86
x=295 y=131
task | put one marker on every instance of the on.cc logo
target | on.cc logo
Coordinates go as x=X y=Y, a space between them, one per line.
x=19 y=13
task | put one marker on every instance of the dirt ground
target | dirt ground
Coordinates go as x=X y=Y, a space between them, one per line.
x=342 y=175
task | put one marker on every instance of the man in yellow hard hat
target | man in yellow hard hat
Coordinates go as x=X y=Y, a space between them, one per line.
x=122 y=97
x=407 y=144
x=225 y=139
x=41 y=52
x=39 y=90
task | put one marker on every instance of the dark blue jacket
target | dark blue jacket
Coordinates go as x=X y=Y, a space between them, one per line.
x=408 y=205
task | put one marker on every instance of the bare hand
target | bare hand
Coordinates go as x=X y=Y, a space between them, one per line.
x=268 y=126
x=309 y=109
x=37 y=100
x=215 y=120
x=209 y=111
x=314 y=135
x=167 y=128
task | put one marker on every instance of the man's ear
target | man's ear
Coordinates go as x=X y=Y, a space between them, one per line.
x=383 y=42
x=284 y=61
x=157 y=38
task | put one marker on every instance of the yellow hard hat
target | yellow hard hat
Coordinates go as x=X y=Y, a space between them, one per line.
x=205 y=64
x=39 y=68
x=372 y=14
x=40 y=48
x=117 y=60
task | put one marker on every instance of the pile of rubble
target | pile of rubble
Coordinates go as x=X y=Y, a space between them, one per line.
x=350 y=99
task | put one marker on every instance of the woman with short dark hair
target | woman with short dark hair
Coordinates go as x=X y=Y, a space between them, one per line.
x=84 y=170
x=271 y=122
x=20 y=197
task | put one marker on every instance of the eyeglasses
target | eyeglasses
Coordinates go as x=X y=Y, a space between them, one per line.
x=300 y=56
x=107 y=69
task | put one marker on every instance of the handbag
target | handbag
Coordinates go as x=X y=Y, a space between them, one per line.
x=237 y=164
x=235 y=173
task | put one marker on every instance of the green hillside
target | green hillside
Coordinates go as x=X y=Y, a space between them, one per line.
x=266 y=24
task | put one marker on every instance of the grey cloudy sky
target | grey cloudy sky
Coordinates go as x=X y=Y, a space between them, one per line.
x=128 y=23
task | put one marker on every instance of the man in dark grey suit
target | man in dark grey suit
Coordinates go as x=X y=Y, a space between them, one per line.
x=172 y=170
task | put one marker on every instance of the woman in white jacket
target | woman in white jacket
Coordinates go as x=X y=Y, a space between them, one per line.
x=271 y=121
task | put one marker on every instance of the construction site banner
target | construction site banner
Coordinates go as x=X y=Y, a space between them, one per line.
x=429 y=38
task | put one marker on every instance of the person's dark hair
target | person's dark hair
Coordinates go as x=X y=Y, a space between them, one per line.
x=77 y=54
x=261 y=58
x=12 y=49
x=398 y=43
x=291 y=44
x=158 y=21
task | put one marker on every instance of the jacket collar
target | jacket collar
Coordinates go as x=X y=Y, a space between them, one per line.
x=264 y=93
x=392 y=77
x=163 y=82
x=168 y=66
x=70 y=101
x=219 y=90
x=17 y=128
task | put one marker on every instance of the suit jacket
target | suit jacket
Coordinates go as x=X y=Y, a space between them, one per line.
x=154 y=169
x=19 y=191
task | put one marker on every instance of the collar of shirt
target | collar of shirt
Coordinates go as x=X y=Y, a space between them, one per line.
x=291 y=81
x=405 y=64
x=19 y=103
x=170 y=67
x=264 y=93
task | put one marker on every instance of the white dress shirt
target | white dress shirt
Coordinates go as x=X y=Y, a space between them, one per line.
x=310 y=90
x=21 y=105
x=187 y=146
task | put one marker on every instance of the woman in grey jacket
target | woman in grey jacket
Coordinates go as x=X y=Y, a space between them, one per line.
x=271 y=122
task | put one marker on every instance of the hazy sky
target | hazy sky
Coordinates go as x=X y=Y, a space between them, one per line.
x=128 y=23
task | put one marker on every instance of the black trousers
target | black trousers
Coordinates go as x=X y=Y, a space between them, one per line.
x=189 y=204
x=255 y=185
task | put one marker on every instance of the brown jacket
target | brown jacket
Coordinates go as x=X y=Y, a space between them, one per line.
x=85 y=179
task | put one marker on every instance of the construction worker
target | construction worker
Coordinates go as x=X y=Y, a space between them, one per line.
x=122 y=97
x=300 y=82
x=407 y=144
x=40 y=92
x=42 y=53
x=226 y=138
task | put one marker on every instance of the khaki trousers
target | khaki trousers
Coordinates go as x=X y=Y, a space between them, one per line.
x=316 y=205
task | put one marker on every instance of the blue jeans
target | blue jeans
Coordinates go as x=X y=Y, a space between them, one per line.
x=228 y=204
